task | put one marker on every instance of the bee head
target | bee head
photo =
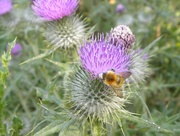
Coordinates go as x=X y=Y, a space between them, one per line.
x=108 y=73
x=102 y=75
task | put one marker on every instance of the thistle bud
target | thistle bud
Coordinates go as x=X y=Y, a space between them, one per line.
x=122 y=35
x=65 y=33
x=120 y=8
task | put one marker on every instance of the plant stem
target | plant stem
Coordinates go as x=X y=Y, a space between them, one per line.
x=4 y=73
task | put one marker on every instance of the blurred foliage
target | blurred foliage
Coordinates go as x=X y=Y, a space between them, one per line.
x=4 y=73
x=27 y=88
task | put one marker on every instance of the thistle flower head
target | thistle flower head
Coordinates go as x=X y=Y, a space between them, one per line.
x=99 y=55
x=54 y=9
x=66 y=32
x=16 y=50
x=91 y=98
x=5 y=6
x=120 y=8
x=122 y=35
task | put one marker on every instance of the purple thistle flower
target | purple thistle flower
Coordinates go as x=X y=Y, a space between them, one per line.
x=16 y=50
x=99 y=56
x=122 y=35
x=54 y=9
x=5 y=6
x=120 y=8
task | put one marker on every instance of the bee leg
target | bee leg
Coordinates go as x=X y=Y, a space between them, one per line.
x=119 y=93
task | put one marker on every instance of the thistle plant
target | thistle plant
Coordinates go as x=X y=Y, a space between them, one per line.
x=102 y=83
x=91 y=98
x=94 y=102
x=62 y=28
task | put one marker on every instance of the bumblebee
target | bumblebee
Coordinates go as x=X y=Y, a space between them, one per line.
x=114 y=80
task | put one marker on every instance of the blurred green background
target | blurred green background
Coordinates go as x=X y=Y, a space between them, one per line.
x=148 y=20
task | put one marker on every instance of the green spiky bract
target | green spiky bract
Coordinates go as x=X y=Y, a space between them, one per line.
x=140 y=63
x=65 y=33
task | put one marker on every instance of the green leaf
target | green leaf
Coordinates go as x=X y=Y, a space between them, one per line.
x=151 y=45
x=130 y=117
x=54 y=127
x=7 y=56
x=16 y=126
x=46 y=53
x=47 y=96
x=59 y=64
x=4 y=73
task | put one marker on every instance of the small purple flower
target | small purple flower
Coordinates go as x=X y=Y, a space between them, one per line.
x=16 y=50
x=5 y=6
x=120 y=8
x=99 y=56
x=122 y=35
x=54 y=9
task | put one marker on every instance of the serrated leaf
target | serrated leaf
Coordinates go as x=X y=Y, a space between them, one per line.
x=47 y=96
x=4 y=72
x=130 y=117
x=59 y=64
x=7 y=56
x=42 y=55
x=54 y=127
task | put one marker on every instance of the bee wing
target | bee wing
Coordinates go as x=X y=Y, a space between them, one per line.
x=126 y=74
